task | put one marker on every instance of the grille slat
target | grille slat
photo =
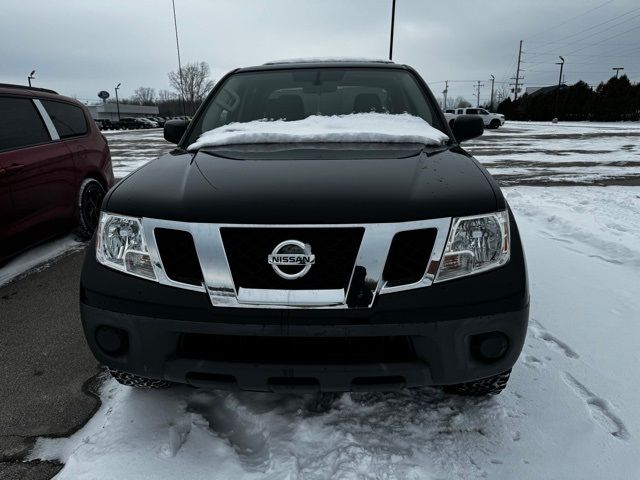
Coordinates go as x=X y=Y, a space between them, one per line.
x=178 y=255
x=409 y=256
x=335 y=251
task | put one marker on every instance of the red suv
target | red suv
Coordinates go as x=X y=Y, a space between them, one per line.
x=55 y=168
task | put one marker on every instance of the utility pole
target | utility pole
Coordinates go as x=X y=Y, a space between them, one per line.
x=617 y=69
x=393 y=21
x=561 y=63
x=478 y=92
x=175 y=24
x=30 y=77
x=517 y=77
x=445 y=92
x=493 y=79
x=118 y=101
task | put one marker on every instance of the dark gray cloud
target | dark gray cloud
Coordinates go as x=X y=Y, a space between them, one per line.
x=80 y=47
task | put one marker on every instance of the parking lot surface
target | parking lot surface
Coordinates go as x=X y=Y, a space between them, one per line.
x=569 y=412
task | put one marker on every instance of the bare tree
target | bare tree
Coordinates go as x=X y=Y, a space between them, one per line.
x=166 y=96
x=144 y=95
x=461 y=102
x=194 y=83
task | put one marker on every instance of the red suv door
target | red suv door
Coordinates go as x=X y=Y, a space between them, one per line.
x=37 y=171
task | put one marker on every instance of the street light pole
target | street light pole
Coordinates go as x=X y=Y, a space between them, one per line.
x=118 y=101
x=561 y=63
x=445 y=92
x=175 y=25
x=493 y=79
x=31 y=76
x=617 y=69
x=393 y=21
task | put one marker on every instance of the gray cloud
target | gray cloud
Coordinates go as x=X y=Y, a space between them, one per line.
x=81 y=47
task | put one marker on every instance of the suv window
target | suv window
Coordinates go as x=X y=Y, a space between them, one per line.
x=20 y=124
x=483 y=112
x=298 y=93
x=472 y=111
x=68 y=119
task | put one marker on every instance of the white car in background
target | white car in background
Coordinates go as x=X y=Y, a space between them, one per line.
x=491 y=120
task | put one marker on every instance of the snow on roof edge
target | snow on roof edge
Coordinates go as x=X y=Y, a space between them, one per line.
x=328 y=60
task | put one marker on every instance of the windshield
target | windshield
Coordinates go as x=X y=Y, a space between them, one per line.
x=299 y=93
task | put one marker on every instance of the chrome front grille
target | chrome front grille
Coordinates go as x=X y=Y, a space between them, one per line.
x=335 y=251
x=347 y=273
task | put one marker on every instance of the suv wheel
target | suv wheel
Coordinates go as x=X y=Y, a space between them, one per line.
x=131 y=380
x=494 y=124
x=486 y=386
x=89 y=202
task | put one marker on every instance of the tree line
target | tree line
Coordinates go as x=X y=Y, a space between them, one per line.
x=191 y=84
x=616 y=100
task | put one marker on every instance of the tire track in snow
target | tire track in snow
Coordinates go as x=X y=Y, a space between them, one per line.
x=601 y=409
x=541 y=333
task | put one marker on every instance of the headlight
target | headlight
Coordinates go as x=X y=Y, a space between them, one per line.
x=475 y=244
x=121 y=245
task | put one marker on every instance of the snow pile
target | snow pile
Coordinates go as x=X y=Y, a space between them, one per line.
x=355 y=128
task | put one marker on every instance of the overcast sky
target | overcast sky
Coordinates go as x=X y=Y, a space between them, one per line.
x=79 y=47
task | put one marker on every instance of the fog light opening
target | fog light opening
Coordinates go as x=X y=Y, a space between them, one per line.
x=489 y=347
x=112 y=341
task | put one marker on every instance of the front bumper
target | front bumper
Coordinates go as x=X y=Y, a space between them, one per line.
x=436 y=326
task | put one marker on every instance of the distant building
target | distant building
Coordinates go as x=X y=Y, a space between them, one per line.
x=109 y=111
x=534 y=91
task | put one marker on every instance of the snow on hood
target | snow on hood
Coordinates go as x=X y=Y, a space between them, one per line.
x=354 y=128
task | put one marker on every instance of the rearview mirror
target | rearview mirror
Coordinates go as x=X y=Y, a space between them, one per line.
x=466 y=127
x=174 y=130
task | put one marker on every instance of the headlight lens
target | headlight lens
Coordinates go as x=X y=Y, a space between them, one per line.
x=121 y=245
x=475 y=244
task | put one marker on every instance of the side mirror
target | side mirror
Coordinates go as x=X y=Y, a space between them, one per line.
x=466 y=127
x=174 y=130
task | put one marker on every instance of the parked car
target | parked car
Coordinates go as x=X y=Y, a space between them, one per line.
x=55 y=168
x=149 y=123
x=159 y=120
x=132 y=123
x=490 y=120
x=104 y=124
x=376 y=264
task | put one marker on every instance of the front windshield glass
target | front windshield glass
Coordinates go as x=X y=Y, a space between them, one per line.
x=296 y=94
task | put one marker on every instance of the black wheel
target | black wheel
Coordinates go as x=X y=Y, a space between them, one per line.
x=486 y=386
x=494 y=124
x=89 y=202
x=131 y=380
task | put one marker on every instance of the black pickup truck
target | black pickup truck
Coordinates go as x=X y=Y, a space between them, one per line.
x=309 y=266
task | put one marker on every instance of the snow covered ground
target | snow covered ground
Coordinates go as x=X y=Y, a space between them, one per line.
x=130 y=149
x=38 y=257
x=569 y=412
x=567 y=153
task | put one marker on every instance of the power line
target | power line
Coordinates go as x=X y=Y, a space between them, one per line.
x=582 y=31
x=570 y=19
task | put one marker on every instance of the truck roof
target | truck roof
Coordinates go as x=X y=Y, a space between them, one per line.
x=323 y=62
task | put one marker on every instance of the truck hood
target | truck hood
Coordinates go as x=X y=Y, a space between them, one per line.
x=300 y=187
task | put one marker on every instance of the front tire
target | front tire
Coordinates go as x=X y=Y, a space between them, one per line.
x=136 y=381
x=480 y=388
x=494 y=124
x=89 y=201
